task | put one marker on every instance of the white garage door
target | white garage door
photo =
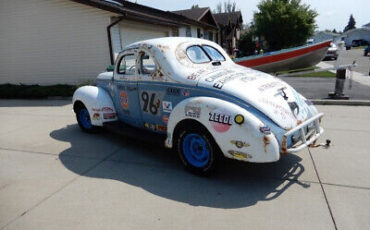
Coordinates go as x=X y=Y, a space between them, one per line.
x=132 y=34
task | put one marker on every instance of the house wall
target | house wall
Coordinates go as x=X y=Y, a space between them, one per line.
x=194 y=34
x=52 y=42
x=131 y=31
x=320 y=37
x=357 y=34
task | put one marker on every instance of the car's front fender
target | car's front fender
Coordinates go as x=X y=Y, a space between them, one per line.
x=98 y=102
x=244 y=141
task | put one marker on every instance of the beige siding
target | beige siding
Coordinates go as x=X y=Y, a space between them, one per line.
x=135 y=31
x=52 y=41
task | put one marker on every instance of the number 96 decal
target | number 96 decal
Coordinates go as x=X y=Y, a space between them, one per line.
x=150 y=102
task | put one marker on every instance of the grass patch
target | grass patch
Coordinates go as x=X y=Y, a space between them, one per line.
x=10 y=91
x=314 y=74
x=317 y=74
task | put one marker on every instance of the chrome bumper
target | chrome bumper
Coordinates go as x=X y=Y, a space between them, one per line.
x=305 y=142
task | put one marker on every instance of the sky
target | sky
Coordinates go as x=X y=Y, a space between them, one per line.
x=333 y=14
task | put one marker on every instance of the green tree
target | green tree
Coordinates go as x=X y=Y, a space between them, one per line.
x=246 y=44
x=351 y=24
x=284 y=23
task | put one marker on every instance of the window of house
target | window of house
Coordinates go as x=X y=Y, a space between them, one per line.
x=199 y=35
x=188 y=31
x=210 y=36
x=197 y=55
x=205 y=34
x=147 y=65
x=127 y=65
x=175 y=32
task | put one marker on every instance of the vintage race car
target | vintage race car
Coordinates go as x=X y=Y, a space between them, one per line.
x=204 y=105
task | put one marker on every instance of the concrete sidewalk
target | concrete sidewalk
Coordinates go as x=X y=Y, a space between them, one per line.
x=53 y=176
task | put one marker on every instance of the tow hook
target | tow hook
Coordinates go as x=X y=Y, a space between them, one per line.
x=324 y=145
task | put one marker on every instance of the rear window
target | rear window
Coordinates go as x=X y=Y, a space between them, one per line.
x=197 y=55
x=203 y=54
x=213 y=53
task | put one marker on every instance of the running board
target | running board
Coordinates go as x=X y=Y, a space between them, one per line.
x=135 y=133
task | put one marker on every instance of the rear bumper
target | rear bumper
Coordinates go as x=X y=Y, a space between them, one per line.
x=305 y=139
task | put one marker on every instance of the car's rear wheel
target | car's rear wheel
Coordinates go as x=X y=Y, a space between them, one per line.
x=83 y=119
x=197 y=150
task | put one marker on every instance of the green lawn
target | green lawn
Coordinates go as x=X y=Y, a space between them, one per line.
x=314 y=74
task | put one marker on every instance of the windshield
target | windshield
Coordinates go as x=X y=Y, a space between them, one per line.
x=203 y=54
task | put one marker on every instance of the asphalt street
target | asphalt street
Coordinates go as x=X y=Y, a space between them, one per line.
x=53 y=176
x=348 y=56
x=318 y=88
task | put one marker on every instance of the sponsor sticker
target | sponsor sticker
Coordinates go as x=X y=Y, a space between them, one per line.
x=240 y=155
x=167 y=106
x=185 y=93
x=96 y=116
x=124 y=99
x=220 y=120
x=173 y=91
x=106 y=109
x=239 y=144
x=161 y=128
x=165 y=119
x=192 y=111
x=107 y=116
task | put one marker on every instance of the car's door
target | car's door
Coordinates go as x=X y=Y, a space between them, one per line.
x=154 y=109
x=126 y=91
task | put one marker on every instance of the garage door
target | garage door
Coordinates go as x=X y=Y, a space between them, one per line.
x=131 y=34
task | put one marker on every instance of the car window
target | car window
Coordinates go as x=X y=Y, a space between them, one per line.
x=213 y=53
x=147 y=64
x=197 y=55
x=127 y=65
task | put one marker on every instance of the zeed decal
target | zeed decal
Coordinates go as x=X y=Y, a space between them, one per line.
x=220 y=120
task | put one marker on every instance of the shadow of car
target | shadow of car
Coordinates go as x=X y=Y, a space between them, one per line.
x=156 y=170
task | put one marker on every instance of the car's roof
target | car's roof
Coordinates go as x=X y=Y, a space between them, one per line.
x=170 y=56
x=168 y=41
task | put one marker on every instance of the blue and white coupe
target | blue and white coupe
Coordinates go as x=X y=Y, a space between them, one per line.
x=204 y=105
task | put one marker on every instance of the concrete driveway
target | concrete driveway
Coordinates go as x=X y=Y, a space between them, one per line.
x=53 y=176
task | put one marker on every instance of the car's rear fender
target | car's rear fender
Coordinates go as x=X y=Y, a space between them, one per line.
x=97 y=101
x=249 y=141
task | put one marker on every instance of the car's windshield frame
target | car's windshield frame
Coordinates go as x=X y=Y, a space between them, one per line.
x=210 y=57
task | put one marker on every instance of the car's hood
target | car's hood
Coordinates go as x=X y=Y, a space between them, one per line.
x=273 y=97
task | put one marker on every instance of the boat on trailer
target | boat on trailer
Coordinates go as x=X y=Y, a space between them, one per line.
x=286 y=59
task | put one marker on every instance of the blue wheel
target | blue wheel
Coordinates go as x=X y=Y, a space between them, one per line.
x=83 y=119
x=197 y=150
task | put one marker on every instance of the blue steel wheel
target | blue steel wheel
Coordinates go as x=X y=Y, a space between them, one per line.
x=197 y=150
x=83 y=119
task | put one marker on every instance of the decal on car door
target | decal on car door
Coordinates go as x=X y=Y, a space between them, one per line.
x=150 y=102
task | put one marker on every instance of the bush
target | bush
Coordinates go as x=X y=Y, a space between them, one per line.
x=8 y=91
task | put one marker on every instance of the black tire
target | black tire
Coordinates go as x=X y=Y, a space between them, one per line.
x=214 y=152
x=79 y=109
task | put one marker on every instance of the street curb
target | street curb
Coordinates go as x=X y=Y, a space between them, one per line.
x=340 y=102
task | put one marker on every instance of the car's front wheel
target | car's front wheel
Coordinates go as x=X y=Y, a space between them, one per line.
x=197 y=150
x=83 y=119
